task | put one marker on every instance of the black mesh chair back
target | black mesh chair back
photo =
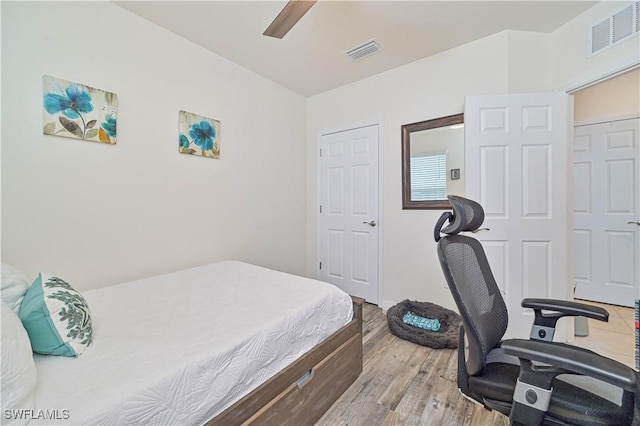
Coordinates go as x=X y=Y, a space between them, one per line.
x=471 y=282
x=476 y=294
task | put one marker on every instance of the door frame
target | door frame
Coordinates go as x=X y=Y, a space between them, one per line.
x=588 y=80
x=584 y=82
x=593 y=121
x=366 y=123
x=599 y=76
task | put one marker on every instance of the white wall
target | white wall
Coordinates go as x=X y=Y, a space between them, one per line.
x=528 y=62
x=101 y=214
x=98 y=214
x=429 y=88
x=508 y=62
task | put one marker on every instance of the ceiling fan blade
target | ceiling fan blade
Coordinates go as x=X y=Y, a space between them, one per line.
x=288 y=17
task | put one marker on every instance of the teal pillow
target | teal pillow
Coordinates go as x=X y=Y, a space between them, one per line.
x=56 y=317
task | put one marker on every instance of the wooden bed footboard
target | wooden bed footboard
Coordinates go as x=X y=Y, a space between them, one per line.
x=302 y=392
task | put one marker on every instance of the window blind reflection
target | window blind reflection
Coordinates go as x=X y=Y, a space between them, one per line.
x=429 y=177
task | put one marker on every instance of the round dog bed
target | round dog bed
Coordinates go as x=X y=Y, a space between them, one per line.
x=446 y=337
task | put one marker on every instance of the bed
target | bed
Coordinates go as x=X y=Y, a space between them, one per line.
x=226 y=343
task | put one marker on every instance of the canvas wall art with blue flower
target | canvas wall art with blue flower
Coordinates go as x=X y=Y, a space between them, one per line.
x=198 y=135
x=74 y=110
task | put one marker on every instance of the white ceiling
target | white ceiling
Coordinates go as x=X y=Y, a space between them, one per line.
x=310 y=59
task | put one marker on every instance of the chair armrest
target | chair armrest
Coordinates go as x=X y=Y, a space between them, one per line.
x=574 y=360
x=544 y=324
x=568 y=308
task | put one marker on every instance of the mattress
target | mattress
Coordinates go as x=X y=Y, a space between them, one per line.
x=180 y=348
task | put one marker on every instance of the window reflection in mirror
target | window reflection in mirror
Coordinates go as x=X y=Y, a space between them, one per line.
x=428 y=175
x=433 y=162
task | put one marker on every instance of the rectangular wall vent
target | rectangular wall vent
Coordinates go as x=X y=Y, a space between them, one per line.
x=600 y=36
x=623 y=24
x=615 y=29
x=365 y=49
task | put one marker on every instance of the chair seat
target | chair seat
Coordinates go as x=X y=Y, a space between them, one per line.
x=569 y=404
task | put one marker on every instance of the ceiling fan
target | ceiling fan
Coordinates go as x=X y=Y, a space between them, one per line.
x=288 y=17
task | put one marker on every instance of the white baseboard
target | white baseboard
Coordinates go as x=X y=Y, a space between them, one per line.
x=385 y=305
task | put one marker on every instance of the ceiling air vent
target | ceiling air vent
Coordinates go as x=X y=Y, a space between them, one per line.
x=365 y=49
x=615 y=29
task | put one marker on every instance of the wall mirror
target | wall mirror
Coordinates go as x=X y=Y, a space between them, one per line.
x=432 y=162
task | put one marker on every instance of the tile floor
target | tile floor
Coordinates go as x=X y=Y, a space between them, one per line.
x=614 y=339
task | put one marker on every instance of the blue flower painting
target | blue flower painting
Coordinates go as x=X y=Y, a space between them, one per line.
x=198 y=135
x=73 y=110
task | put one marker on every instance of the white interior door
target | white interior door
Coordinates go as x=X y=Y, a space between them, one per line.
x=517 y=161
x=349 y=211
x=606 y=185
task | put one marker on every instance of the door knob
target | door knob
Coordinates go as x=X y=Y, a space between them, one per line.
x=372 y=223
x=631 y=223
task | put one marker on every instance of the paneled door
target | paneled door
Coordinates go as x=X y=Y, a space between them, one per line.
x=606 y=212
x=349 y=211
x=518 y=166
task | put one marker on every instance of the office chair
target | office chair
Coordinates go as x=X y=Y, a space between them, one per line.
x=534 y=381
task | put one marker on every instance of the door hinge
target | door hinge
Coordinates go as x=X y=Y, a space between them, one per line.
x=320 y=152
x=320 y=209
x=320 y=265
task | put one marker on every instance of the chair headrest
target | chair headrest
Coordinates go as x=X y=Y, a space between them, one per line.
x=467 y=216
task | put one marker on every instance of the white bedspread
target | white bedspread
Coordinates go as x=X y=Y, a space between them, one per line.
x=180 y=348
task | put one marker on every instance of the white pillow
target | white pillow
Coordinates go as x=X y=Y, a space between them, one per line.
x=14 y=286
x=18 y=370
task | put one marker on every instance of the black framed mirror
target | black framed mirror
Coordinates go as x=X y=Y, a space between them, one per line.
x=432 y=160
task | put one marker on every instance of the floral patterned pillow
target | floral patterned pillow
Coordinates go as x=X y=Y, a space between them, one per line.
x=56 y=317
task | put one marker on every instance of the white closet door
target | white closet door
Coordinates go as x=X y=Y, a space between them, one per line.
x=606 y=212
x=349 y=211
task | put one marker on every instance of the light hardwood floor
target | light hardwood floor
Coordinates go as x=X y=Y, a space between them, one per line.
x=406 y=384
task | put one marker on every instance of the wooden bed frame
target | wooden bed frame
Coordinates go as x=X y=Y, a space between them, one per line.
x=301 y=393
